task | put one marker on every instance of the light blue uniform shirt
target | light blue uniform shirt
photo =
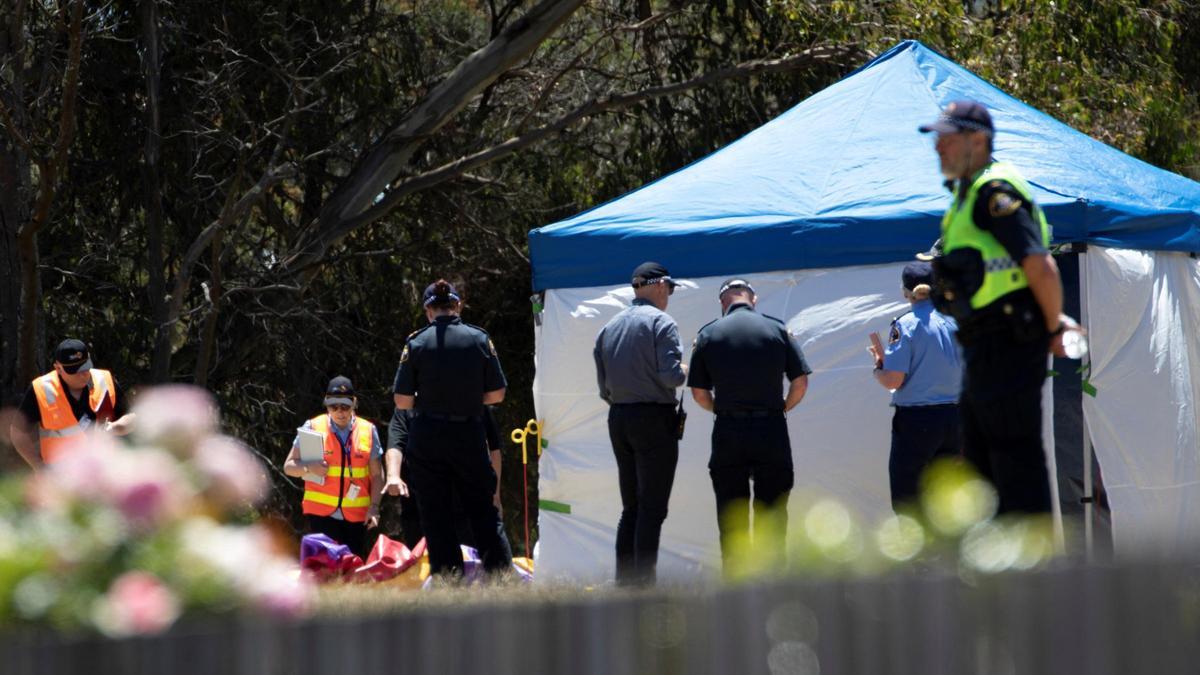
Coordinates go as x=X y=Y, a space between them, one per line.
x=921 y=345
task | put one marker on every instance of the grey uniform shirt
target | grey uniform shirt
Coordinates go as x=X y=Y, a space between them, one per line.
x=639 y=358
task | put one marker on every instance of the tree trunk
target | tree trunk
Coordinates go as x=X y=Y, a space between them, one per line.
x=14 y=185
x=15 y=176
x=156 y=286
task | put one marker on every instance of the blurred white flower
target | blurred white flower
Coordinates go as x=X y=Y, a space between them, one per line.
x=175 y=417
x=232 y=476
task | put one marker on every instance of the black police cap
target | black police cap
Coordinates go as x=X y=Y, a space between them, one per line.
x=73 y=355
x=964 y=115
x=340 y=390
x=651 y=273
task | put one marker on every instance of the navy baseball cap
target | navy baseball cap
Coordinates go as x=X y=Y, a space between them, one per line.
x=735 y=282
x=915 y=274
x=651 y=273
x=447 y=293
x=964 y=115
x=340 y=390
x=73 y=355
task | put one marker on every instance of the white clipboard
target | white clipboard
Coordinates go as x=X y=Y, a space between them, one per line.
x=312 y=449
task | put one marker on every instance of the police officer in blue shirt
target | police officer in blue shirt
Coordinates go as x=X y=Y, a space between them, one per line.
x=739 y=363
x=920 y=364
x=448 y=371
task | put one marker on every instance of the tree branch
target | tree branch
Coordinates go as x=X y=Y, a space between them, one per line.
x=384 y=162
x=591 y=108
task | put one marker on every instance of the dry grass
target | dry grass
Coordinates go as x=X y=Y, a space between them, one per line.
x=367 y=598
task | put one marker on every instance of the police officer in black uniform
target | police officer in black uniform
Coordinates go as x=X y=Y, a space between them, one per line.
x=739 y=363
x=448 y=371
x=996 y=277
x=398 y=477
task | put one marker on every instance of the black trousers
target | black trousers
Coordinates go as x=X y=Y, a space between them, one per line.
x=1001 y=406
x=353 y=535
x=920 y=434
x=646 y=449
x=410 y=511
x=410 y=516
x=447 y=458
x=745 y=451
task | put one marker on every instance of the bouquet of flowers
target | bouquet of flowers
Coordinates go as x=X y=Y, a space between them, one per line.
x=125 y=538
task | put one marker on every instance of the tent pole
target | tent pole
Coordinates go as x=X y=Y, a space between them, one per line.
x=1088 y=491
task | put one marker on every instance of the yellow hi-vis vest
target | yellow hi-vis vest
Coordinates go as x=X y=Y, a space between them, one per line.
x=1002 y=275
x=59 y=424
x=323 y=500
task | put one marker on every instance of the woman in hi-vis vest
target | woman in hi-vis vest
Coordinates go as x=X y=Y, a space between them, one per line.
x=339 y=456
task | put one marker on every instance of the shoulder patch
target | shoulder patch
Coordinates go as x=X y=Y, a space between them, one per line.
x=1002 y=204
x=491 y=346
x=894 y=335
x=404 y=354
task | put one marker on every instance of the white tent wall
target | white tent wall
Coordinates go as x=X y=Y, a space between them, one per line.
x=840 y=433
x=1143 y=314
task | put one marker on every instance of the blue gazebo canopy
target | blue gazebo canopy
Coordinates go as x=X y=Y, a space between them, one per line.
x=844 y=178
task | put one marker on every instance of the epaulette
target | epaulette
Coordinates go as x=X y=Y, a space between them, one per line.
x=707 y=325
x=901 y=316
x=471 y=325
x=775 y=319
x=418 y=331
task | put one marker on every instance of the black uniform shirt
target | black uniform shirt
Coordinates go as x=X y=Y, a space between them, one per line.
x=449 y=365
x=744 y=356
x=79 y=406
x=1002 y=211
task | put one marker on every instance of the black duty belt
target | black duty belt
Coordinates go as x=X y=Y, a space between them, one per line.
x=449 y=418
x=748 y=414
x=646 y=404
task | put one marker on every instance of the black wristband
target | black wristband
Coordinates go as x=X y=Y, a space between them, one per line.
x=1062 y=327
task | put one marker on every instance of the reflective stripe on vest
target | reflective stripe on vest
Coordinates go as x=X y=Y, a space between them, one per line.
x=323 y=500
x=58 y=419
x=1002 y=275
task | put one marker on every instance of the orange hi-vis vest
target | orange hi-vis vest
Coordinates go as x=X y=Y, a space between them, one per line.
x=58 y=420
x=348 y=487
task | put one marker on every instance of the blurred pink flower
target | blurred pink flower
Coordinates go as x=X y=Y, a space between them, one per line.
x=175 y=417
x=232 y=476
x=147 y=486
x=283 y=591
x=82 y=472
x=136 y=603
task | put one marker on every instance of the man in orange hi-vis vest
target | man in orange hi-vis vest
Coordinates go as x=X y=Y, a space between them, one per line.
x=341 y=490
x=61 y=405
